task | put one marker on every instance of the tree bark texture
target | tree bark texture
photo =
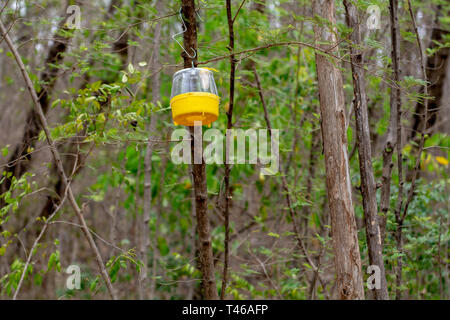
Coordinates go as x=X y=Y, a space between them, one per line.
x=368 y=185
x=343 y=225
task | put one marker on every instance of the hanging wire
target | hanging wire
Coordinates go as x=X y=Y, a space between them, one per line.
x=184 y=29
x=198 y=15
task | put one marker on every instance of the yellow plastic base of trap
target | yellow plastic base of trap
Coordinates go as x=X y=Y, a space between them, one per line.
x=190 y=107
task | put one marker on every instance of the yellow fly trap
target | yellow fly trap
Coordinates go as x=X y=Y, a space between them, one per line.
x=194 y=97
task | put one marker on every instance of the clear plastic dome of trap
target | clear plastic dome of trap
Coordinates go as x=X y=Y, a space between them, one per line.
x=194 y=97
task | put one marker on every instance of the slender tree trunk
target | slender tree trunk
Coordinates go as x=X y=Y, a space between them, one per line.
x=343 y=224
x=395 y=39
x=199 y=170
x=436 y=71
x=226 y=211
x=392 y=134
x=145 y=232
x=368 y=185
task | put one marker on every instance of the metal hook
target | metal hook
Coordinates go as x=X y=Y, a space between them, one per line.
x=198 y=15
x=184 y=29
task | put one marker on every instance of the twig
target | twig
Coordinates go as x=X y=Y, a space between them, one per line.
x=237 y=12
x=91 y=231
x=36 y=241
x=322 y=51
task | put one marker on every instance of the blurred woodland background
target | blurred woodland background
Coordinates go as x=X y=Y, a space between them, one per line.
x=132 y=220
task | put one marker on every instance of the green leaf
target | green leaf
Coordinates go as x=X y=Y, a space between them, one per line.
x=5 y=151
x=162 y=246
x=54 y=103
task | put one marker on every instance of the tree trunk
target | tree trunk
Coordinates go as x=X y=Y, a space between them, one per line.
x=145 y=234
x=392 y=134
x=199 y=170
x=226 y=209
x=343 y=225
x=396 y=104
x=368 y=185
x=436 y=76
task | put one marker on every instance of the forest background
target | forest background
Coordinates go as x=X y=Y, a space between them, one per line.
x=358 y=89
